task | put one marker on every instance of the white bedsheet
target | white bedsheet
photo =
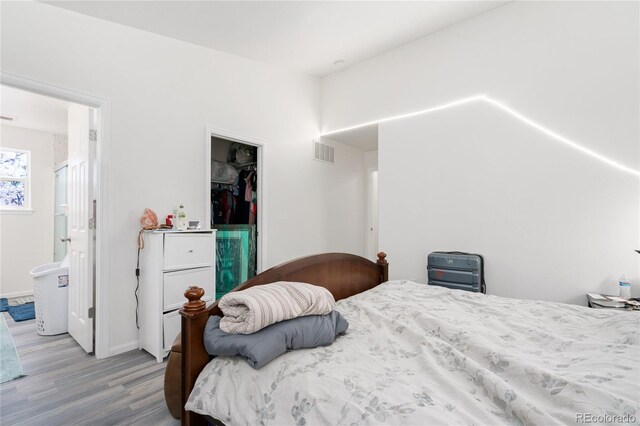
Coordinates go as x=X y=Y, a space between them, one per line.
x=421 y=355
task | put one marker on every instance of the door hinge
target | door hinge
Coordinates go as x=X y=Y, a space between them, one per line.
x=92 y=221
x=92 y=312
x=93 y=135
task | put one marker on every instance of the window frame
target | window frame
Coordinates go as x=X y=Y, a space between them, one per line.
x=26 y=207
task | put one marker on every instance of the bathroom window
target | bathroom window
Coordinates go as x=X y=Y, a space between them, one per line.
x=15 y=176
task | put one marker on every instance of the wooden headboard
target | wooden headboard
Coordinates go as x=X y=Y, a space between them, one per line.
x=344 y=275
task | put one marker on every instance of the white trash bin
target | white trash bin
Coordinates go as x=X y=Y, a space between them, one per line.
x=50 y=294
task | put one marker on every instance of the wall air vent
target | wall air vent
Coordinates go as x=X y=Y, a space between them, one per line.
x=323 y=152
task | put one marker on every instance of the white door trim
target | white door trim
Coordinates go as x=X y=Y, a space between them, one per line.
x=262 y=184
x=369 y=218
x=102 y=163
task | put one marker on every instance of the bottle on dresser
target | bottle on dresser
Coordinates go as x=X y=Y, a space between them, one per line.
x=624 y=287
x=181 y=222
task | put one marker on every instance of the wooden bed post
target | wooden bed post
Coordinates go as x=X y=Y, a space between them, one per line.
x=194 y=356
x=383 y=265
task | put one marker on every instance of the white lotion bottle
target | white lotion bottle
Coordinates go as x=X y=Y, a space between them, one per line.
x=181 y=220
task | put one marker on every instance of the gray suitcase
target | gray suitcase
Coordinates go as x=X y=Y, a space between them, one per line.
x=456 y=270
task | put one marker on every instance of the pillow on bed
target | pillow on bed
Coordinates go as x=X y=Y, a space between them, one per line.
x=267 y=344
x=250 y=310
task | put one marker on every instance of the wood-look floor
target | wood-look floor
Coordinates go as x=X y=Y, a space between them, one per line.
x=66 y=386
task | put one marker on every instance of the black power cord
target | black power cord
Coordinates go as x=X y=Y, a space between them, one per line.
x=135 y=293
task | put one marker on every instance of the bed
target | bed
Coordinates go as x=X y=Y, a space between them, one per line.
x=416 y=354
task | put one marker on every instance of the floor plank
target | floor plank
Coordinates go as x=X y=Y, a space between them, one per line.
x=66 y=386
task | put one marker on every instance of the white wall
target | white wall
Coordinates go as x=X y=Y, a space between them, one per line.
x=60 y=150
x=346 y=199
x=371 y=159
x=163 y=92
x=27 y=239
x=552 y=223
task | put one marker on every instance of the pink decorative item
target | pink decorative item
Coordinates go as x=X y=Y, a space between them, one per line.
x=149 y=219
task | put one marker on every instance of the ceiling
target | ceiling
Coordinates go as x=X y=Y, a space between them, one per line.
x=364 y=138
x=302 y=36
x=32 y=111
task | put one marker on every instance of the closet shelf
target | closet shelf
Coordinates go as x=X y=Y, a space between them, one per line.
x=240 y=166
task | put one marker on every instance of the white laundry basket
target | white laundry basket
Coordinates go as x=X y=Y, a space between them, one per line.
x=50 y=294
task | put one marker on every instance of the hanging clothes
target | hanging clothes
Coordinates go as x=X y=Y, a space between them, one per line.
x=216 y=210
x=248 y=189
x=253 y=208
x=235 y=203
x=241 y=215
x=223 y=204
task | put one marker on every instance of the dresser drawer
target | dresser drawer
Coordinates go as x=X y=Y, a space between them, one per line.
x=175 y=284
x=183 y=251
x=171 y=325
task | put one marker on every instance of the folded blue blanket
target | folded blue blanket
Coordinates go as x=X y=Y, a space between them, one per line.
x=265 y=345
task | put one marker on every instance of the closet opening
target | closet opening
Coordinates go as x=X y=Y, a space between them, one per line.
x=235 y=209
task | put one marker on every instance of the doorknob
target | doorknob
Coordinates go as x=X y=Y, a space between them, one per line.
x=63 y=239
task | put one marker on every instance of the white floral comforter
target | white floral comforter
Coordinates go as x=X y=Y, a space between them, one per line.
x=421 y=355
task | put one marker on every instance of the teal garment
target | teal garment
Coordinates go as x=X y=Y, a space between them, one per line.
x=235 y=256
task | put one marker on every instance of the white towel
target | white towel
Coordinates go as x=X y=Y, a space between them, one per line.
x=257 y=307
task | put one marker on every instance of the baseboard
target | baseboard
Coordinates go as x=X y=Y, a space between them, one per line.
x=17 y=294
x=126 y=347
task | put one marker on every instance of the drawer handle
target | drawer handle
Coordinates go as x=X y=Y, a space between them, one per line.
x=190 y=251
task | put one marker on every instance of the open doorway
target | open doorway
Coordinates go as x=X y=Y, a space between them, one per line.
x=235 y=207
x=58 y=199
x=365 y=138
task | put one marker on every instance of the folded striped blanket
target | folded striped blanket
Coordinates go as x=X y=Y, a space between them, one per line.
x=255 y=308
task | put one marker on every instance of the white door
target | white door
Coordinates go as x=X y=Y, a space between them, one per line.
x=80 y=202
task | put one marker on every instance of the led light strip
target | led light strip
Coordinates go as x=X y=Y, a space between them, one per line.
x=412 y=114
x=508 y=110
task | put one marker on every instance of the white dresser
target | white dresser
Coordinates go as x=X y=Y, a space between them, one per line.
x=170 y=262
